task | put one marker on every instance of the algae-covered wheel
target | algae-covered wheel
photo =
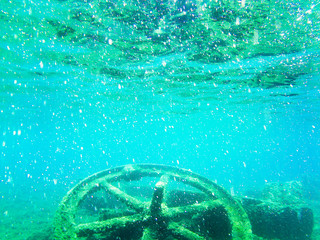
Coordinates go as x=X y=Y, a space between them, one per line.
x=157 y=217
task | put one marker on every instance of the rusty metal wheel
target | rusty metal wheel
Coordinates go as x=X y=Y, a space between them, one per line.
x=152 y=219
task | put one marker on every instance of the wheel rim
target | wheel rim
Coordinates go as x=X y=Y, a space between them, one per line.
x=154 y=216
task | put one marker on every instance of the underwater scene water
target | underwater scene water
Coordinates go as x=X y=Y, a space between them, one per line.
x=224 y=88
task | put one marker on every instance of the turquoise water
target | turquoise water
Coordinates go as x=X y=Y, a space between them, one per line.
x=229 y=91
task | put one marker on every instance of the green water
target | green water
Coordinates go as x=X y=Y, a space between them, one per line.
x=228 y=89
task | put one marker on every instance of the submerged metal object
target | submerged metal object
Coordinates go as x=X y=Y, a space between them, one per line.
x=149 y=202
x=155 y=218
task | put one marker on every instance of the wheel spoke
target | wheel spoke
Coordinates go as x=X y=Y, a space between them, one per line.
x=158 y=195
x=109 y=226
x=183 y=233
x=130 y=201
x=180 y=212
